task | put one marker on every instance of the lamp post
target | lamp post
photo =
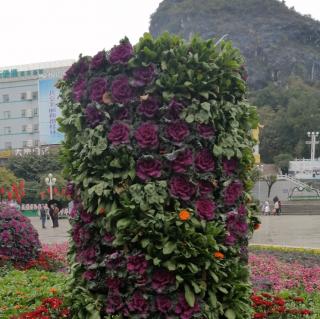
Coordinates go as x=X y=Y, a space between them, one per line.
x=50 y=181
x=260 y=169
x=313 y=143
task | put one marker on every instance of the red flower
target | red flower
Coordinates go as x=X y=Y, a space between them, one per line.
x=260 y=315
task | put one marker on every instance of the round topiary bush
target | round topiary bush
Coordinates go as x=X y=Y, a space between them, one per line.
x=158 y=144
x=19 y=241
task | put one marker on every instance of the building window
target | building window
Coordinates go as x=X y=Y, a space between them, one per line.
x=6 y=114
x=24 y=143
x=23 y=113
x=36 y=143
x=35 y=127
x=35 y=112
x=23 y=96
x=5 y=98
x=24 y=128
x=8 y=145
x=7 y=130
x=34 y=95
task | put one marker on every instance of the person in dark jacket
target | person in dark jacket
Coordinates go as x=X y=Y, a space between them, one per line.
x=43 y=216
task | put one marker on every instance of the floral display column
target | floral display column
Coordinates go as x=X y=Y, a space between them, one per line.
x=158 y=146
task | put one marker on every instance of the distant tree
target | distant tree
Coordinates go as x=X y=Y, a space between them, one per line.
x=270 y=180
x=7 y=178
x=31 y=167
x=282 y=161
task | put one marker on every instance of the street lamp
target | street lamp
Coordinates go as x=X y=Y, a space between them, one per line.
x=50 y=181
x=313 y=143
x=260 y=169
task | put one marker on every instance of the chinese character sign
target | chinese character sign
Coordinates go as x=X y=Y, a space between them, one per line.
x=49 y=112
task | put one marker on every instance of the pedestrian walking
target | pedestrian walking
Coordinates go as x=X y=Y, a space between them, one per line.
x=55 y=216
x=266 y=208
x=43 y=216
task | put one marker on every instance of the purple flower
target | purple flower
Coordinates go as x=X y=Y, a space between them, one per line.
x=147 y=136
x=108 y=237
x=93 y=116
x=237 y=224
x=205 y=208
x=177 y=131
x=163 y=304
x=138 y=304
x=137 y=264
x=204 y=161
x=115 y=260
x=143 y=75
x=97 y=88
x=121 y=54
x=230 y=240
x=161 y=279
x=70 y=189
x=77 y=69
x=86 y=217
x=242 y=210
x=119 y=134
x=98 y=60
x=181 y=163
x=148 y=107
x=121 y=90
x=205 y=187
x=148 y=168
x=78 y=89
x=113 y=283
x=175 y=109
x=181 y=188
x=87 y=256
x=89 y=275
x=229 y=165
x=122 y=114
x=114 y=303
x=232 y=193
x=183 y=310
x=206 y=131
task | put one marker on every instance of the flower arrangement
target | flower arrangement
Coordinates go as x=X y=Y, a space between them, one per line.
x=19 y=241
x=158 y=144
x=272 y=306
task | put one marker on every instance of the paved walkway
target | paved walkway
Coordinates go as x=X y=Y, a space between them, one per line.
x=296 y=231
x=51 y=235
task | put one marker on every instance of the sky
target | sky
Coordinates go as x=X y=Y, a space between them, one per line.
x=48 y=30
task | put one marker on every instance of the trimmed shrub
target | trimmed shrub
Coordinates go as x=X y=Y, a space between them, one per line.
x=19 y=241
x=158 y=143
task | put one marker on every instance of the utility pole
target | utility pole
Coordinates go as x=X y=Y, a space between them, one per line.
x=313 y=143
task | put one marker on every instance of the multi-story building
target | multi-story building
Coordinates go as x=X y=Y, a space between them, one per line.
x=28 y=101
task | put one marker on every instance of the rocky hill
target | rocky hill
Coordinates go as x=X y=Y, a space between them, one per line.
x=276 y=41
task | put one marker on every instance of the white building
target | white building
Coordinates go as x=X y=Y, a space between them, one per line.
x=305 y=169
x=28 y=104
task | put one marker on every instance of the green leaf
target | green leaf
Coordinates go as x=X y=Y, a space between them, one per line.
x=212 y=298
x=230 y=314
x=189 y=295
x=204 y=94
x=223 y=290
x=170 y=265
x=190 y=118
x=145 y=242
x=205 y=106
x=217 y=150
x=123 y=223
x=169 y=247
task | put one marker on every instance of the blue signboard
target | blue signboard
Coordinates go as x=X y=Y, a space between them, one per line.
x=49 y=112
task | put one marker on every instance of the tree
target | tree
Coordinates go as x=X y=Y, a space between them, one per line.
x=7 y=178
x=31 y=167
x=270 y=180
x=282 y=161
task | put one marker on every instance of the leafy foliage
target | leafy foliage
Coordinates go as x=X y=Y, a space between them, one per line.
x=158 y=143
x=7 y=178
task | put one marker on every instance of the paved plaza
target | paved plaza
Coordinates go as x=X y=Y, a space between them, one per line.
x=296 y=231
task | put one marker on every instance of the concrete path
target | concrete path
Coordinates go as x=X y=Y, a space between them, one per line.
x=51 y=235
x=295 y=231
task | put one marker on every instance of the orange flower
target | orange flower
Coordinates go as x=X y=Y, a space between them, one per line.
x=102 y=210
x=53 y=290
x=17 y=307
x=184 y=215
x=218 y=255
x=256 y=226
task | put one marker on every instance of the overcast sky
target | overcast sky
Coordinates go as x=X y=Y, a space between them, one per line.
x=48 y=30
